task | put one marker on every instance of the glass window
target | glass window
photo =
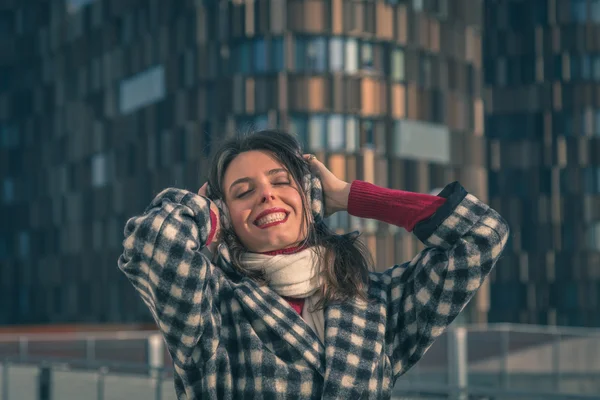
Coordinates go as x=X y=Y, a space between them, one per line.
x=501 y=74
x=316 y=127
x=351 y=55
x=424 y=70
x=311 y=54
x=421 y=141
x=24 y=244
x=586 y=67
x=3 y=249
x=398 y=65
x=261 y=122
x=207 y=135
x=592 y=180
x=244 y=57
x=298 y=126
x=596 y=68
x=568 y=129
x=417 y=5
x=277 y=55
x=336 y=54
x=9 y=137
x=369 y=133
x=142 y=89
x=316 y=55
x=352 y=136
x=595 y=10
x=99 y=170
x=578 y=10
x=366 y=56
x=9 y=191
x=335 y=132
x=260 y=55
x=75 y=5
x=575 y=67
x=540 y=10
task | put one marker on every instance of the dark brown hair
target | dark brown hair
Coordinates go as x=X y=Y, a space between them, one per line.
x=346 y=259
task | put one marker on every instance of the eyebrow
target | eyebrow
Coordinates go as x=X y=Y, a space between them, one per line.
x=274 y=171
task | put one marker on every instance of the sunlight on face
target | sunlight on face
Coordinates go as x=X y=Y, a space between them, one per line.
x=264 y=202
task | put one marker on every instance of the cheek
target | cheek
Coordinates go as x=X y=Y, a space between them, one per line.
x=238 y=216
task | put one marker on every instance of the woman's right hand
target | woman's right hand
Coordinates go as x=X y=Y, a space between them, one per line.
x=215 y=210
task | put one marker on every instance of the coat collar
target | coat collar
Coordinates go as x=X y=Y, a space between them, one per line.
x=282 y=319
x=354 y=336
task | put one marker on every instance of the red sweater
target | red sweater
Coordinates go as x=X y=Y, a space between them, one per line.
x=397 y=207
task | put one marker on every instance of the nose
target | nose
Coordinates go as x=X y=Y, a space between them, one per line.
x=267 y=194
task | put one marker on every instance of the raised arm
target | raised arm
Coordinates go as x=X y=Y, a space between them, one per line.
x=162 y=259
x=465 y=239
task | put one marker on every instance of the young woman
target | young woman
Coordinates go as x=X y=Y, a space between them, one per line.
x=284 y=308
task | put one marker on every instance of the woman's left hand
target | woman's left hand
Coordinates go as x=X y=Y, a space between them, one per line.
x=335 y=190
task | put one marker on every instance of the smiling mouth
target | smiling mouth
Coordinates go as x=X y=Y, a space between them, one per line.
x=271 y=219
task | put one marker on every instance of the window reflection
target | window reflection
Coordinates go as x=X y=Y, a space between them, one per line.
x=257 y=56
x=311 y=54
x=260 y=55
x=316 y=130
x=578 y=10
x=594 y=236
x=398 y=65
x=332 y=132
x=351 y=55
x=336 y=54
x=335 y=132
x=595 y=10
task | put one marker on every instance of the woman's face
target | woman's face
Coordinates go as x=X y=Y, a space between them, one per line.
x=264 y=202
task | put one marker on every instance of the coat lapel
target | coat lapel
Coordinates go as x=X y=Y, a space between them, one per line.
x=280 y=317
x=354 y=337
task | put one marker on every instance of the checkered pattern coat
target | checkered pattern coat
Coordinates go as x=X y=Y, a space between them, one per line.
x=233 y=339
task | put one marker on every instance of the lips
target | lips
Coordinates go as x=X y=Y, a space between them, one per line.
x=271 y=217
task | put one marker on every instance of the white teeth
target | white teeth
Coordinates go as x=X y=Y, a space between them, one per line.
x=274 y=217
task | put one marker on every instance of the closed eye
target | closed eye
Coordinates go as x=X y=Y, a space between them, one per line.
x=244 y=194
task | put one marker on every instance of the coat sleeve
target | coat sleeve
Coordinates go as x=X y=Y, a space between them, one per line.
x=162 y=258
x=464 y=239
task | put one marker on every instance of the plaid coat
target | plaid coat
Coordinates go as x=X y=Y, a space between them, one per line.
x=233 y=339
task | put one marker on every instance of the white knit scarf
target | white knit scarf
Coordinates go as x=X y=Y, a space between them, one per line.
x=296 y=275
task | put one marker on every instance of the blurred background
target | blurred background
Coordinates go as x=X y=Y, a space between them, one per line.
x=103 y=103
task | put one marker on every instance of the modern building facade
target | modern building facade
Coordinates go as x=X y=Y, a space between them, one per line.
x=542 y=68
x=109 y=101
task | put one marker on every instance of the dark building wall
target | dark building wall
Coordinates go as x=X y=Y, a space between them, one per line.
x=115 y=100
x=542 y=68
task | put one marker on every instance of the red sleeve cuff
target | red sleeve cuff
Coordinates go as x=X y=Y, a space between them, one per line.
x=397 y=207
x=213 y=226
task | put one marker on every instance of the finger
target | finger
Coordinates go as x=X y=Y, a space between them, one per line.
x=202 y=190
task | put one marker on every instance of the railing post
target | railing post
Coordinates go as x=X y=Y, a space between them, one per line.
x=90 y=349
x=156 y=354
x=158 y=384
x=504 y=343
x=44 y=383
x=556 y=361
x=5 y=382
x=101 y=376
x=458 y=374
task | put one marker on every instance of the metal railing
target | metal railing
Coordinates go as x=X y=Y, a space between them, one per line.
x=69 y=381
x=498 y=361
x=43 y=380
